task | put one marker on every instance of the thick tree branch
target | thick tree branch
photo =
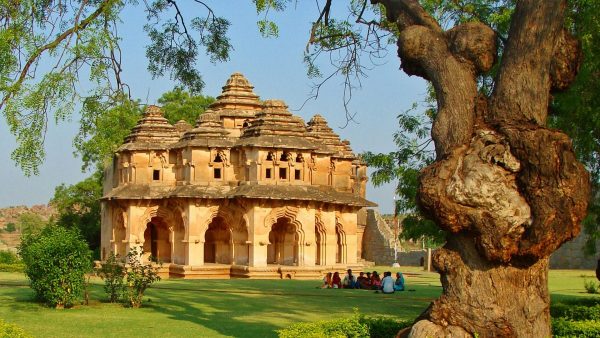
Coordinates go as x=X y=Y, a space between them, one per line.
x=523 y=85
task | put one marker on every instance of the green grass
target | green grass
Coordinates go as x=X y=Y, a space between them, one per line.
x=237 y=307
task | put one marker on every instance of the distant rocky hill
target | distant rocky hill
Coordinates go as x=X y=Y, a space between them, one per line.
x=10 y=240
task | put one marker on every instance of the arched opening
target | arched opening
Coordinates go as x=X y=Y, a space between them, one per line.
x=217 y=240
x=320 y=243
x=283 y=243
x=340 y=248
x=157 y=246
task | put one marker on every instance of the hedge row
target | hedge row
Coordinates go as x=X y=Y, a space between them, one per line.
x=354 y=326
x=11 y=330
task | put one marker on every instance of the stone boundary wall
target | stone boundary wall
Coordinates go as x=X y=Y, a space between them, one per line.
x=378 y=240
x=412 y=258
x=570 y=255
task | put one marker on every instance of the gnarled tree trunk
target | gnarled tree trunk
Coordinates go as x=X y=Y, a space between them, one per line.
x=508 y=190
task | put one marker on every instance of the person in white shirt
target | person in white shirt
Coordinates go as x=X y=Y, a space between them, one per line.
x=387 y=283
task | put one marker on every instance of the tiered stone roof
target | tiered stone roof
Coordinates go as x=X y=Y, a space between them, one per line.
x=153 y=131
x=237 y=99
x=209 y=132
x=330 y=142
x=276 y=127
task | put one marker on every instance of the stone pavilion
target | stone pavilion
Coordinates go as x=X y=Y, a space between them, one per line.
x=251 y=191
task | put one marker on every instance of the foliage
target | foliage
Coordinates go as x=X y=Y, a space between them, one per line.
x=56 y=260
x=78 y=207
x=8 y=330
x=577 y=111
x=590 y=286
x=104 y=125
x=564 y=328
x=10 y=227
x=355 y=326
x=138 y=278
x=112 y=272
x=29 y=222
x=402 y=166
x=576 y=312
x=179 y=104
x=343 y=327
x=48 y=49
x=8 y=257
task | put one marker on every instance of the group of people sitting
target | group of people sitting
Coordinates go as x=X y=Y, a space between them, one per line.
x=368 y=281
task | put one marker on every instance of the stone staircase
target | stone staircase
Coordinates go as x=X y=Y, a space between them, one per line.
x=378 y=240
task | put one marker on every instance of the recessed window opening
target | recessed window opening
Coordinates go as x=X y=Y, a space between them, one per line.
x=246 y=124
x=217 y=173
x=218 y=158
x=297 y=174
x=268 y=173
x=299 y=158
x=270 y=156
x=283 y=173
x=156 y=175
x=285 y=157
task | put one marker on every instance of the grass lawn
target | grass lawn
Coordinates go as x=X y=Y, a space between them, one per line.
x=237 y=307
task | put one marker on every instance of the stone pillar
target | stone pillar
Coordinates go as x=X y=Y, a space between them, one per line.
x=198 y=221
x=328 y=219
x=258 y=236
x=348 y=221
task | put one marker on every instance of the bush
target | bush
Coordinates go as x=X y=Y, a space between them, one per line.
x=564 y=328
x=138 y=278
x=8 y=257
x=590 y=286
x=112 y=272
x=56 y=260
x=11 y=227
x=575 y=312
x=354 y=326
x=12 y=330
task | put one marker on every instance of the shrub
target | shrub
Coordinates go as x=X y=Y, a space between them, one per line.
x=12 y=330
x=575 y=312
x=138 y=278
x=56 y=260
x=590 y=286
x=354 y=326
x=384 y=326
x=112 y=272
x=564 y=328
x=11 y=227
x=8 y=257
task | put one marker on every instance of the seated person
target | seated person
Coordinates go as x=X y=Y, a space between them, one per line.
x=336 y=281
x=327 y=281
x=375 y=281
x=387 y=283
x=399 y=283
x=349 y=280
x=366 y=282
x=360 y=280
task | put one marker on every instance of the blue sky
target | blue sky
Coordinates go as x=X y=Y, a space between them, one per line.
x=273 y=66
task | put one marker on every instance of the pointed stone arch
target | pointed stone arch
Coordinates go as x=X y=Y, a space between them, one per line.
x=284 y=249
x=341 y=248
x=235 y=220
x=320 y=241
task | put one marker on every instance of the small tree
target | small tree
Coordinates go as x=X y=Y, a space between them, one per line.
x=138 y=277
x=112 y=272
x=56 y=260
x=11 y=227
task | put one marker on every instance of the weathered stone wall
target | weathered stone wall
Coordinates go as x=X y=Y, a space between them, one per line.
x=412 y=258
x=570 y=255
x=378 y=240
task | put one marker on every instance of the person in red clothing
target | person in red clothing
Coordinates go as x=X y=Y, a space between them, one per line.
x=336 y=281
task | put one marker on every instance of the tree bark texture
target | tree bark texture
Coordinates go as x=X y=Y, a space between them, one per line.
x=508 y=190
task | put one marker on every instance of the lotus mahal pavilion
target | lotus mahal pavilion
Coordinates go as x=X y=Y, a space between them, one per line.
x=251 y=191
